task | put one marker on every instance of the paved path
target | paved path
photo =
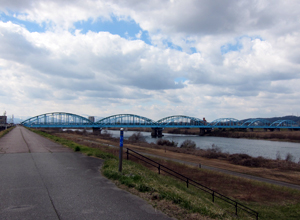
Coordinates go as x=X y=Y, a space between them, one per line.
x=40 y=179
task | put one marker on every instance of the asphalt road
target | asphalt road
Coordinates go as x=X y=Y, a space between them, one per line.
x=40 y=179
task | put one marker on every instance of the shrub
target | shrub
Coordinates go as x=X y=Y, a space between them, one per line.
x=165 y=142
x=289 y=157
x=106 y=134
x=278 y=156
x=77 y=148
x=137 y=137
x=214 y=152
x=246 y=160
x=188 y=144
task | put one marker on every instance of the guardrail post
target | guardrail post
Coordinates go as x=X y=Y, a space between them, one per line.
x=213 y=196
x=187 y=183
x=121 y=150
x=127 y=153
x=159 y=169
x=236 y=208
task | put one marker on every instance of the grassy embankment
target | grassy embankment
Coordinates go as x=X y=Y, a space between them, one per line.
x=4 y=132
x=280 y=170
x=175 y=199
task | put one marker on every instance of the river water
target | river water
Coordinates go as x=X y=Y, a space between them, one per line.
x=255 y=148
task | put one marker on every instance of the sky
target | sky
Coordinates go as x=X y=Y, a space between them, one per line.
x=155 y=58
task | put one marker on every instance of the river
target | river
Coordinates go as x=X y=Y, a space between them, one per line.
x=255 y=148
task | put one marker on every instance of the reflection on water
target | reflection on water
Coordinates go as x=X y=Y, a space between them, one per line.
x=253 y=148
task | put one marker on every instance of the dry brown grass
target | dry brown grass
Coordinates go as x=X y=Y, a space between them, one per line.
x=283 y=135
x=273 y=172
x=237 y=188
x=272 y=202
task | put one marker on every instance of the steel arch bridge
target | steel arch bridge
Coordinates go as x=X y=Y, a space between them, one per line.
x=58 y=119
x=256 y=123
x=225 y=123
x=69 y=120
x=284 y=124
x=126 y=120
x=181 y=121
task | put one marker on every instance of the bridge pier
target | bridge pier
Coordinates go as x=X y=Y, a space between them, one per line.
x=202 y=131
x=96 y=130
x=157 y=132
x=265 y=129
x=277 y=129
x=250 y=129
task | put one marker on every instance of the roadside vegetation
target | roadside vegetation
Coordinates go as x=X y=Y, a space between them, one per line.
x=4 y=132
x=171 y=196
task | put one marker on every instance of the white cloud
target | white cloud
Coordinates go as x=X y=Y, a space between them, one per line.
x=102 y=74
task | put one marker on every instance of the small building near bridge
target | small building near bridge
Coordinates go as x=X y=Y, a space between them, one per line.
x=3 y=120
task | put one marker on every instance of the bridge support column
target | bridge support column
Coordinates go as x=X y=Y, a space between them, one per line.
x=202 y=132
x=265 y=129
x=271 y=129
x=250 y=129
x=96 y=130
x=277 y=129
x=157 y=132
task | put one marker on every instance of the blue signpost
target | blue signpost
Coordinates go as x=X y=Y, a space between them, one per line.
x=121 y=150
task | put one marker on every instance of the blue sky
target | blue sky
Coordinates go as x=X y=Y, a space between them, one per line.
x=150 y=58
x=126 y=29
x=30 y=26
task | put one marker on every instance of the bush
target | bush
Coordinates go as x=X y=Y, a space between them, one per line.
x=165 y=142
x=106 y=134
x=137 y=137
x=77 y=148
x=278 y=156
x=246 y=160
x=188 y=144
x=289 y=157
x=214 y=152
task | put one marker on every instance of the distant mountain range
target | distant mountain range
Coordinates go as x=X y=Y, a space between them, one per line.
x=288 y=117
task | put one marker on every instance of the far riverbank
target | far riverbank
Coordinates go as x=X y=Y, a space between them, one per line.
x=258 y=134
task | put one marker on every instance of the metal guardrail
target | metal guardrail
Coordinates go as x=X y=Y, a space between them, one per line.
x=189 y=181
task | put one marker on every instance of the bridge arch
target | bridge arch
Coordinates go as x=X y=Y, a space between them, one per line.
x=181 y=121
x=256 y=122
x=284 y=123
x=57 y=118
x=225 y=122
x=126 y=120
